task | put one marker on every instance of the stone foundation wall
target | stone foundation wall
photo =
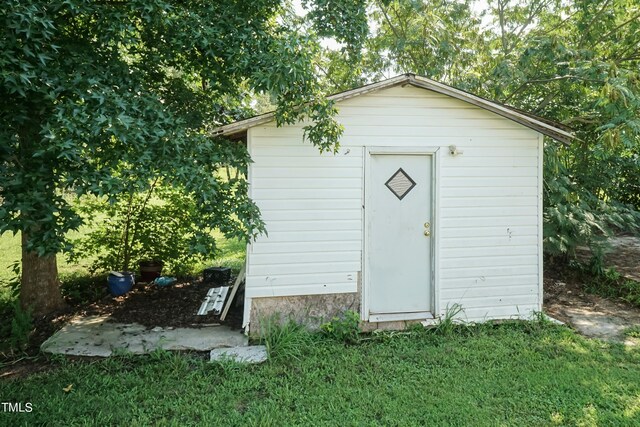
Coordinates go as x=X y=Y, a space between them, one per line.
x=309 y=310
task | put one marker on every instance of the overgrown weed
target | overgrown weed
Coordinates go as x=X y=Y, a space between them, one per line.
x=345 y=328
x=284 y=340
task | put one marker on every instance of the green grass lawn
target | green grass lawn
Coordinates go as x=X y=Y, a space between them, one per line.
x=510 y=374
x=11 y=251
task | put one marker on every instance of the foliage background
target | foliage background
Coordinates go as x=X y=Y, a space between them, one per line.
x=573 y=62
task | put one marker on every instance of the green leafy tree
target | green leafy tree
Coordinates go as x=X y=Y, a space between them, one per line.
x=104 y=97
x=578 y=63
x=574 y=62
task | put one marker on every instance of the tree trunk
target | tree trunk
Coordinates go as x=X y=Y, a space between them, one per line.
x=39 y=287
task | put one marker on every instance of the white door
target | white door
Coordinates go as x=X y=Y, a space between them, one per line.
x=399 y=236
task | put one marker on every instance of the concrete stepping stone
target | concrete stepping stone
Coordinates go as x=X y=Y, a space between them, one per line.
x=247 y=354
x=95 y=336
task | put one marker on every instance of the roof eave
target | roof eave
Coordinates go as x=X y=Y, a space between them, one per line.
x=425 y=83
x=506 y=112
x=242 y=125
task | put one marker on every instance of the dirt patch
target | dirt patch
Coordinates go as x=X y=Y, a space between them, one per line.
x=21 y=368
x=591 y=315
x=176 y=306
x=594 y=316
x=625 y=256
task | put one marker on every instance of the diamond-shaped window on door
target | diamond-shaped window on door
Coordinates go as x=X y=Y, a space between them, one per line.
x=400 y=184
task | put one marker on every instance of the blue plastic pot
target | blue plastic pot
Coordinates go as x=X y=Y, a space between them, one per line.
x=120 y=285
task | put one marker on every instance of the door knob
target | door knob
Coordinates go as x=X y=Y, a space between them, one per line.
x=427 y=229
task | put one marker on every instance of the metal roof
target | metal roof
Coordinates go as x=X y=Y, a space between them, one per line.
x=544 y=126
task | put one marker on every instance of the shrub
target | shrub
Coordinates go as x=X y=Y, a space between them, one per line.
x=344 y=329
x=162 y=224
x=80 y=288
x=575 y=215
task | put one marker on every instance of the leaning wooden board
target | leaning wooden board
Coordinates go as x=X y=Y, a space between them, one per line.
x=234 y=289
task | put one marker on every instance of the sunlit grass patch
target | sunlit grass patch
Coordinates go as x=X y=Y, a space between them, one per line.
x=511 y=374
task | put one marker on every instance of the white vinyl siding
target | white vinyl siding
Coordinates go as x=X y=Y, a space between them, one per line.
x=312 y=208
x=487 y=226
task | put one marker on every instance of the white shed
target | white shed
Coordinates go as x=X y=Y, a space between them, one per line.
x=433 y=201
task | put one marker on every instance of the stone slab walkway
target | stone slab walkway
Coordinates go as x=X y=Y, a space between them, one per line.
x=96 y=336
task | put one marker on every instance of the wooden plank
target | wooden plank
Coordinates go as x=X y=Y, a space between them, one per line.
x=505 y=172
x=339 y=161
x=292 y=290
x=508 y=232
x=381 y=132
x=311 y=282
x=296 y=148
x=464 y=160
x=487 y=182
x=234 y=289
x=492 y=221
x=490 y=192
x=459 y=294
x=506 y=200
x=469 y=215
x=484 y=272
x=489 y=261
x=492 y=281
x=487 y=242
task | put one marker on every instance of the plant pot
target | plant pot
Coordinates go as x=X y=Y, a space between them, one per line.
x=120 y=283
x=150 y=270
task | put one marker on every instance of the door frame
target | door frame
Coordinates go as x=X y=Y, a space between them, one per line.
x=434 y=155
